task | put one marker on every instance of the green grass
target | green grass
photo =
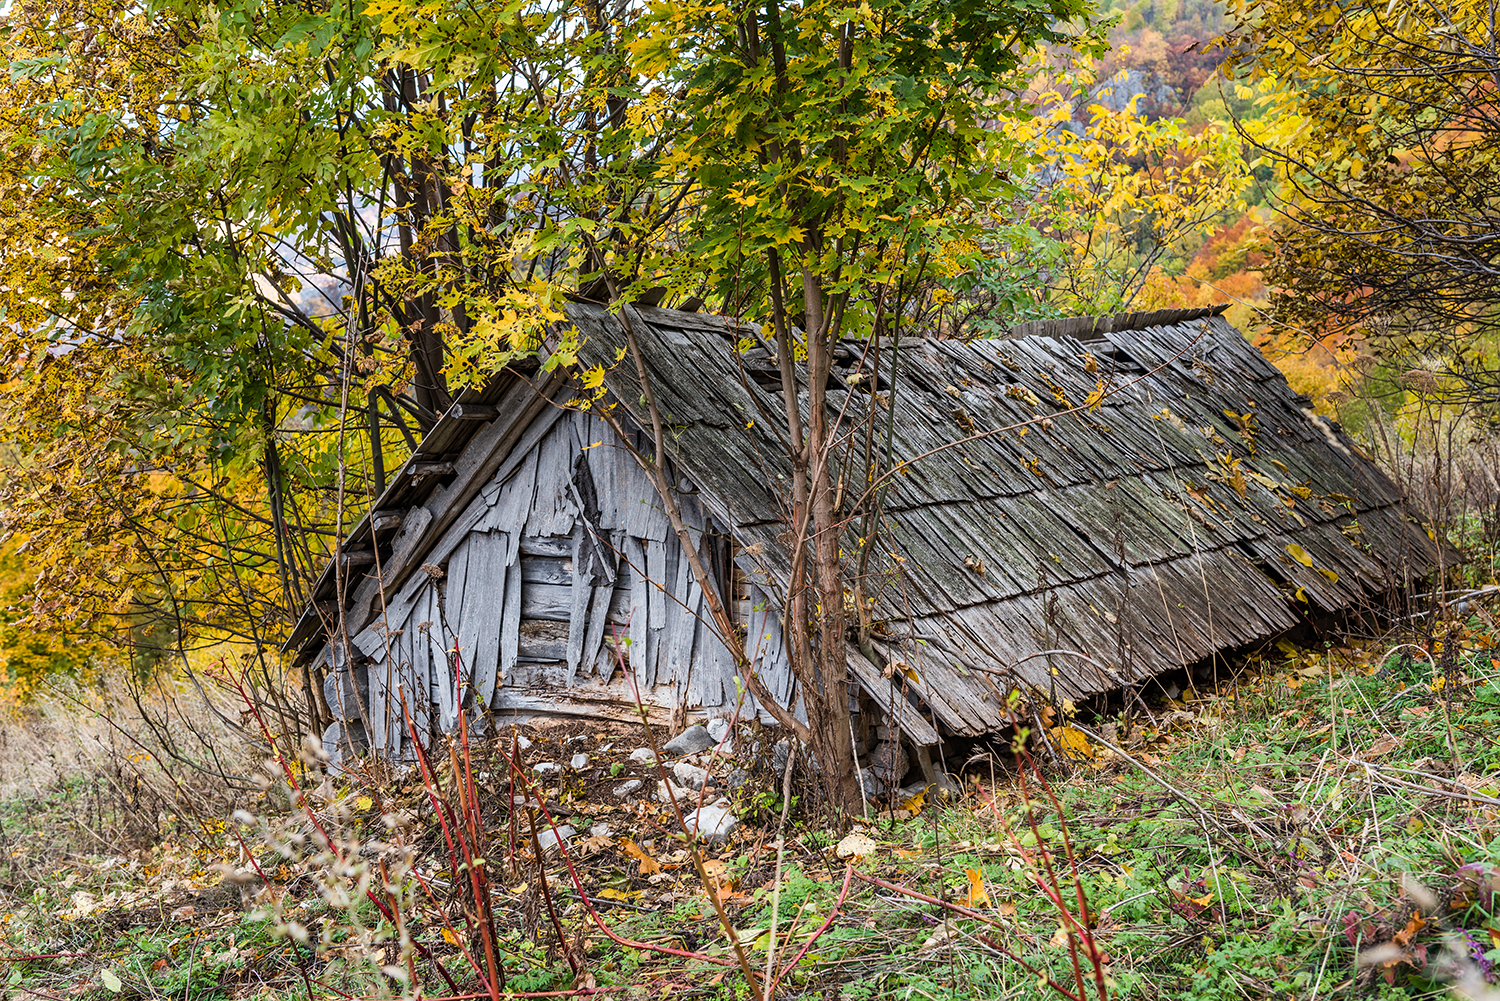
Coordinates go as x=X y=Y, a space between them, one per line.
x=1256 y=839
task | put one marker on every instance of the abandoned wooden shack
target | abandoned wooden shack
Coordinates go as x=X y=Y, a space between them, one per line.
x=1077 y=508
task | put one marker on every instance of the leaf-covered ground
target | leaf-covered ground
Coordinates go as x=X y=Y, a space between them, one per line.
x=1250 y=842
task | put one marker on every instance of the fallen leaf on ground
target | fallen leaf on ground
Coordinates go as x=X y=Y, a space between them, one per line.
x=648 y=864
x=977 y=895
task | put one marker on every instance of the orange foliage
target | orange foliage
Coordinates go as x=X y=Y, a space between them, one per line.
x=1227 y=269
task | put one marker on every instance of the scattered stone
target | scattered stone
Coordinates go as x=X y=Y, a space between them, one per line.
x=945 y=933
x=690 y=741
x=907 y=792
x=677 y=791
x=883 y=732
x=856 y=845
x=713 y=823
x=690 y=775
x=889 y=762
x=522 y=742
x=579 y=762
x=606 y=748
x=718 y=729
x=626 y=788
x=737 y=778
x=870 y=784
x=547 y=768
x=548 y=838
x=601 y=831
x=644 y=755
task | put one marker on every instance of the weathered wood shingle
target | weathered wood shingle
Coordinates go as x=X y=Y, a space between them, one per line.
x=1028 y=538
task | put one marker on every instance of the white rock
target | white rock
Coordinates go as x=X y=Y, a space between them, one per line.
x=522 y=742
x=857 y=844
x=718 y=728
x=643 y=754
x=626 y=788
x=579 y=762
x=547 y=768
x=690 y=741
x=601 y=831
x=548 y=838
x=606 y=748
x=690 y=775
x=714 y=822
x=682 y=795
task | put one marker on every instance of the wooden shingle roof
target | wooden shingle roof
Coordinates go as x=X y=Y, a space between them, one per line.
x=1199 y=507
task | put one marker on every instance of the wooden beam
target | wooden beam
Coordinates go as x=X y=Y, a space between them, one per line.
x=426 y=470
x=472 y=412
x=386 y=521
x=430 y=523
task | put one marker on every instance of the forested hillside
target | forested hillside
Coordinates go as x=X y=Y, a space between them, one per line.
x=809 y=323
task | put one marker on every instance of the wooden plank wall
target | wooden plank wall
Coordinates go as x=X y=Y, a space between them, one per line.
x=567 y=594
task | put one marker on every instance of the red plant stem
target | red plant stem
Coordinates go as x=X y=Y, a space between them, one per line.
x=239 y=687
x=787 y=969
x=443 y=809
x=576 y=992
x=478 y=870
x=541 y=869
x=1052 y=890
x=594 y=914
x=1047 y=887
x=975 y=915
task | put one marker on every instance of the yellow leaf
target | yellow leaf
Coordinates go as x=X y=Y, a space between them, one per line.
x=914 y=804
x=593 y=378
x=1299 y=554
x=977 y=896
x=1074 y=742
x=1333 y=578
x=449 y=936
x=610 y=893
x=1094 y=399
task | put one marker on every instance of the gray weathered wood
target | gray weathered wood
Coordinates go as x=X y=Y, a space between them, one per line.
x=510 y=621
x=472 y=412
x=386 y=521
